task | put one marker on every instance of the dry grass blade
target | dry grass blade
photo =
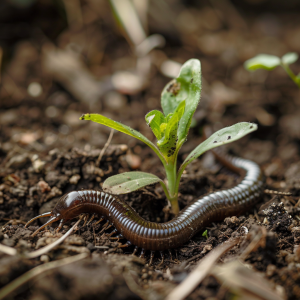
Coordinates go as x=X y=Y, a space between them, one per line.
x=68 y=69
x=1 y=54
x=258 y=241
x=8 y=250
x=105 y=147
x=277 y=193
x=8 y=289
x=54 y=244
x=204 y=267
x=127 y=16
x=74 y=14
x=244 y=283
x=12 y=251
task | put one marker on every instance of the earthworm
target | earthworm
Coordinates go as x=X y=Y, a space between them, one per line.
x=153 y=236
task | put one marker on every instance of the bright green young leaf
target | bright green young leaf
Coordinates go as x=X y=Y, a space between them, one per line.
x=154 y=119
x=187 y=86
x=123 y=128
x=169 y=116
x=289 y=58
x=168 y=143
x=262 y=61
x=128 y=182
x=219 y=138
x=172 y=125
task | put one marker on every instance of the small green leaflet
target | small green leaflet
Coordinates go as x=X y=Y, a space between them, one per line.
x=289 y=58
x=128 y=182
x=262 y=61
x=154 y=119
x=172 y=125
x=269 y=62
x=168 y=143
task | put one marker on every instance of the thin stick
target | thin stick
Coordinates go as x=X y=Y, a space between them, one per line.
x=12 y=251
x=51 y=246
x=104 y=148
x=277 y=193
x=74 y=14
x=200 y=272
x=258 y=240
x=8 y=250
x=1 y=54
x=9 y=288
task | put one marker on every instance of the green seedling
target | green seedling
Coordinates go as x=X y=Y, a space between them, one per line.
x=270 y=62
x=179 y=101
x=205 y=234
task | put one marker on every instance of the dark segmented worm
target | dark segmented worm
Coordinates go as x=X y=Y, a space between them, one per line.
x=161 y=236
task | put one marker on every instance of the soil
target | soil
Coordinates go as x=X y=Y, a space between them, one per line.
x=45 y=151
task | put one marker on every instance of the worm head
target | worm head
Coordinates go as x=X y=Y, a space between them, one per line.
x=62 y=210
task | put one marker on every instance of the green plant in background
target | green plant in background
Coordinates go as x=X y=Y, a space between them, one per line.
x=270 y=62
x=179 y=101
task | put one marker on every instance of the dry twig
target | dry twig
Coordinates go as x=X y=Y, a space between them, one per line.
x=200 y=272
x=47 y=248
x=8 y=250
x=104 y=148
x=244 y=283
x=272 y=192
x=258 y=241
x=39 y=252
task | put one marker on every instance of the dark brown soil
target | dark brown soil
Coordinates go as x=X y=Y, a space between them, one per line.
x=45 y=151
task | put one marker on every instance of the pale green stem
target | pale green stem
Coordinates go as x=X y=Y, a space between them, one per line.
x=291 y=74
x=173 y=193
x=158 y=153
x=177 y=182
x=165 y=189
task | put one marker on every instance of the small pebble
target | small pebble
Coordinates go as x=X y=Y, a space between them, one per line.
x=133 y=161
x=34 y=89
x=44 y=186
x=45 y=258
x=74 y=179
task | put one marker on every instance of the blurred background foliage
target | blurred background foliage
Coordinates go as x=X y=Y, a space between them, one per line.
x=60 y=58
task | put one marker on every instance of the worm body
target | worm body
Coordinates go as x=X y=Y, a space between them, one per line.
x=161 y=236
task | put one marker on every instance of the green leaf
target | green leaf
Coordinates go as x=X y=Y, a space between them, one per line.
x=289 y=58
x=128 y=182
x=154 y=119
x=205 y=234
x=221 y=137
x=262 y=61
x=187 y=86
x=168 y=143
x=123 y=128
x=172 y=125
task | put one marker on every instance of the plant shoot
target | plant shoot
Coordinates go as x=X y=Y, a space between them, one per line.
x=179 y=101
x=270 y=62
